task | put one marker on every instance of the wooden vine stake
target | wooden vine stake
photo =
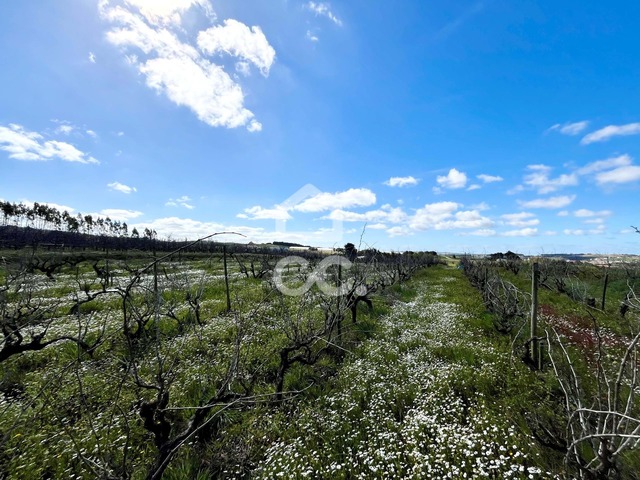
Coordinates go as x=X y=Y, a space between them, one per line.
x=534 y=342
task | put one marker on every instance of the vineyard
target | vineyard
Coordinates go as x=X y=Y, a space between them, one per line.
x=195 y=364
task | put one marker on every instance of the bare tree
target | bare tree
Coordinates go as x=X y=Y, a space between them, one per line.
x=601 y=405
x=26 y=315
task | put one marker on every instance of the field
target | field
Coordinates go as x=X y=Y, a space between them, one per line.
x=139 y=365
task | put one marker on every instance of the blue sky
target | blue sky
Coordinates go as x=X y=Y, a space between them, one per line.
x=467 y=126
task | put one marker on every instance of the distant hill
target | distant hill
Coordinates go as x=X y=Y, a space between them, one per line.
x=288 y=244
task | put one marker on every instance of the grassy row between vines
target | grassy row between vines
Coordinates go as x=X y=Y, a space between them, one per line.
x=422 y=387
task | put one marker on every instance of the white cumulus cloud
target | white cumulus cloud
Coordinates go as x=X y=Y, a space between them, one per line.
x=119 y=214
x=177 y=69
x=571 y=128
x=386 y=213
x=25 y=145
x=609 y=163
x=446 y=216
x=523 y=232
x=585 y=213
x=490 y=178
x=168 y=11
x=539 y=179
x=599 y=230
x=259 y=213
x=354 y=197
x=121 y=187
x=522 y=219
x=610 y=131
x=626 y=174
x=183 y=201
x=401 y=181
x=483 y=232
x=550 y=203
x=454 y=179
x=324 y=9
x=238 y=40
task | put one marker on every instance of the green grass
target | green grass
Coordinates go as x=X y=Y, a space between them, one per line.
x=413 y=378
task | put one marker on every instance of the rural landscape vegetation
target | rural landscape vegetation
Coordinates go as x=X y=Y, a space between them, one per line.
x=310 y=239
x=125 y=356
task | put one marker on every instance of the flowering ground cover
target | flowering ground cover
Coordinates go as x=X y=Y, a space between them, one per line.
x=420 y=399
x=420 y=387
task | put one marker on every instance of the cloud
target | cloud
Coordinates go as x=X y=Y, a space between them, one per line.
x=65 y=129
x=454 y=179
x=444 y=216
x=159 y=12
x=119 y=214
x=25 y=145
x=609 y=163
x=243 y=68
x=120 y=187
x=312 y=37
x=238 y=40
x=354 y=197
x=523 y=232
x=551 y=202
x=599 y=230
x=464 y=219
x=323 y=9
x=92 y=57
x=401 y=181
x=522 y=219
x=584 y=213
x=539 y=179
x=177 y=69
x=386 y=213
x=254 y=126
x=629 y=173
x=570 y=128
x=399 y=231
x=432 y=214
x=483 y=232
x=182 y=201
x=610 y=131
x=614 y=170
x=203 y=87
x=192 y=229
x=489 y=178
x=323 y=201
x=175 y=227
x=57 y=206
x=481 y=206
x=259 y=213
x=475 y=186
x=377 y=226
